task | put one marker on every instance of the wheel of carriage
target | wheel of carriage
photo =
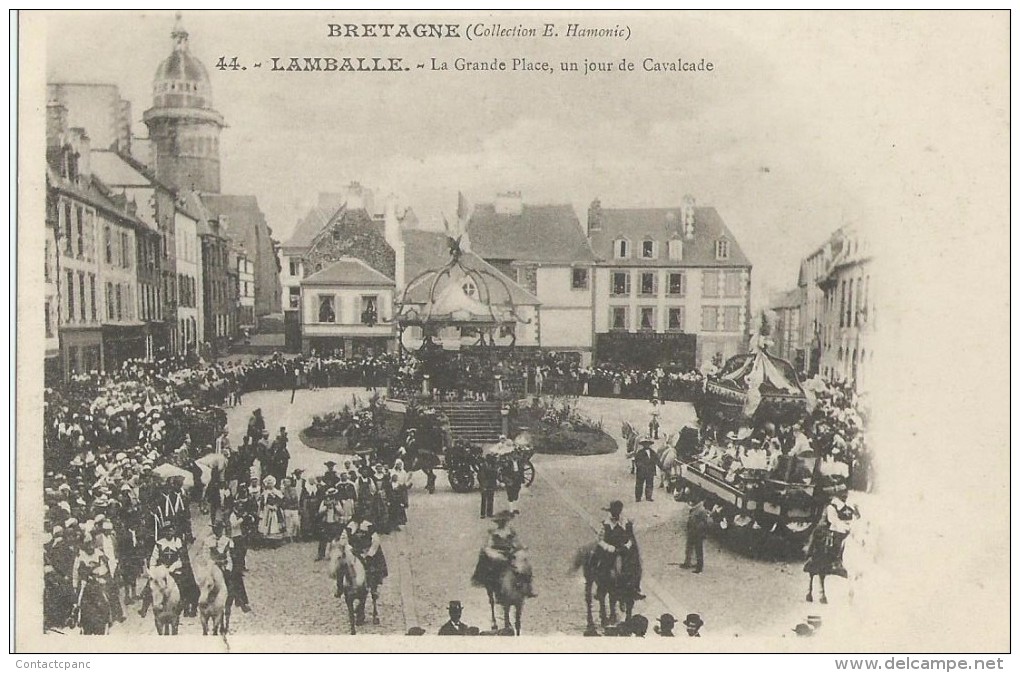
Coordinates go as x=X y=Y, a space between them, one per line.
x=461 y=480
x=528 y=472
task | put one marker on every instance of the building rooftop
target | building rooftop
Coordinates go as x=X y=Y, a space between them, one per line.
x=348 y=271
x=663 y=224
x=549 y=234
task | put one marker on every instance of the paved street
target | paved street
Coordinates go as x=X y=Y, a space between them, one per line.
x=431 y=561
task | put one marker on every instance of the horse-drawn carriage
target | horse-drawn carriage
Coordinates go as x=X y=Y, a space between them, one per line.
x=462 y=461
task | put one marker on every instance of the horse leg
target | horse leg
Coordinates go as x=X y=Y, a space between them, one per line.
x=517 y=617
x=821 y=584
x=603 y=619
x=810 y=589
x=492 y=608
x=587 y=602
x=205 y=625
x=350 y=615
x=506 y=616
x=375 y=612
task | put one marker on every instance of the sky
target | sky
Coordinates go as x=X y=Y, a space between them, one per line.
x=792 y=135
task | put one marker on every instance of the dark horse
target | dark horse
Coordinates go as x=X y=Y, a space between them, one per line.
x=612 y=577
x=94 y=615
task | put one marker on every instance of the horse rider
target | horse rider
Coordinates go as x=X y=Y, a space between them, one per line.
x=221 y=552
x=92 y=564
x=500 y=551
x=331 y=520
x=617 y=541
x=171 y=553
x=366 y=544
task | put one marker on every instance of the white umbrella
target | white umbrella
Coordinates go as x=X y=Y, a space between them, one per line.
x=166 y=471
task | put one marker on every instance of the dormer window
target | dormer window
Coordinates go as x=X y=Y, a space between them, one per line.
x=722 y=249
x=648 y=249
x=676 y=250
x=621 y=248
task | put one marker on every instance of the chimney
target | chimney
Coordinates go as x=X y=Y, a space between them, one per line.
x=395 y=238
x=509 y=203
x=687 y=215
x=56 y=123
x=83 y=148
x=594 y=216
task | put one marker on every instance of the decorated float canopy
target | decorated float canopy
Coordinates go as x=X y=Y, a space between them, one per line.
x=465 y=293
x=755 y=385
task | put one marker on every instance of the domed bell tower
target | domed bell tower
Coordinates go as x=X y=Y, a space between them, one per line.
x=183 y=126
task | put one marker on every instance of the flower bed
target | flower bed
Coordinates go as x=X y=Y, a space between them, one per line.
x=558 y=428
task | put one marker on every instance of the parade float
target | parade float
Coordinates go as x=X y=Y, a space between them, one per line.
x=751 y=478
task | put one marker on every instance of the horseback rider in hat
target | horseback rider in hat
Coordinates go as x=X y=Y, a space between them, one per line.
x=171 y=553
x=617 y=541
x=501 y=550
x=221 y=552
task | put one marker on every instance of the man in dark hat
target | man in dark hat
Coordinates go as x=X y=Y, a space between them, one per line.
x=487 y=483
x=330 y=478
x=698 y=523
x=645 y=463
x=616 y=539
x=693 y=623
x=454 y=627
x=331 y=520
x=665 y=627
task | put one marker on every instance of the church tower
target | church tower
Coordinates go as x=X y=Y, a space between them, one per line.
x=184 y=129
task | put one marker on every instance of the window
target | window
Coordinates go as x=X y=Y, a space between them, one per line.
x=81 y=231
x=722 y=249
x=842 y=303
x=92 y=297
x=369 y=310
x=648 y=284
x=326 y=311
x=70 y=296
x=49 y=322
x=734 y=284
x=68 y=231
x=858 y=305
x=709 y=318
x=618 y=318
x=81 y=296
x=621 y=284
x=120 y=304
x=469 y=288
x=676 y=318
x=647 y=318
x=108 y=238
x=648 y=250
x=621 y=248
x=676 y=249
x=295 y=267
x=125 y=247
x=710 y=284
x=46 y=262
x=677 y=284
x=109 y=301
x=731 y=319
x=579 y=279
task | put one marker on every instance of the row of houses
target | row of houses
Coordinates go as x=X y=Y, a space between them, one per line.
x=638 y=285
x=144 y=257
x=826 y=325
